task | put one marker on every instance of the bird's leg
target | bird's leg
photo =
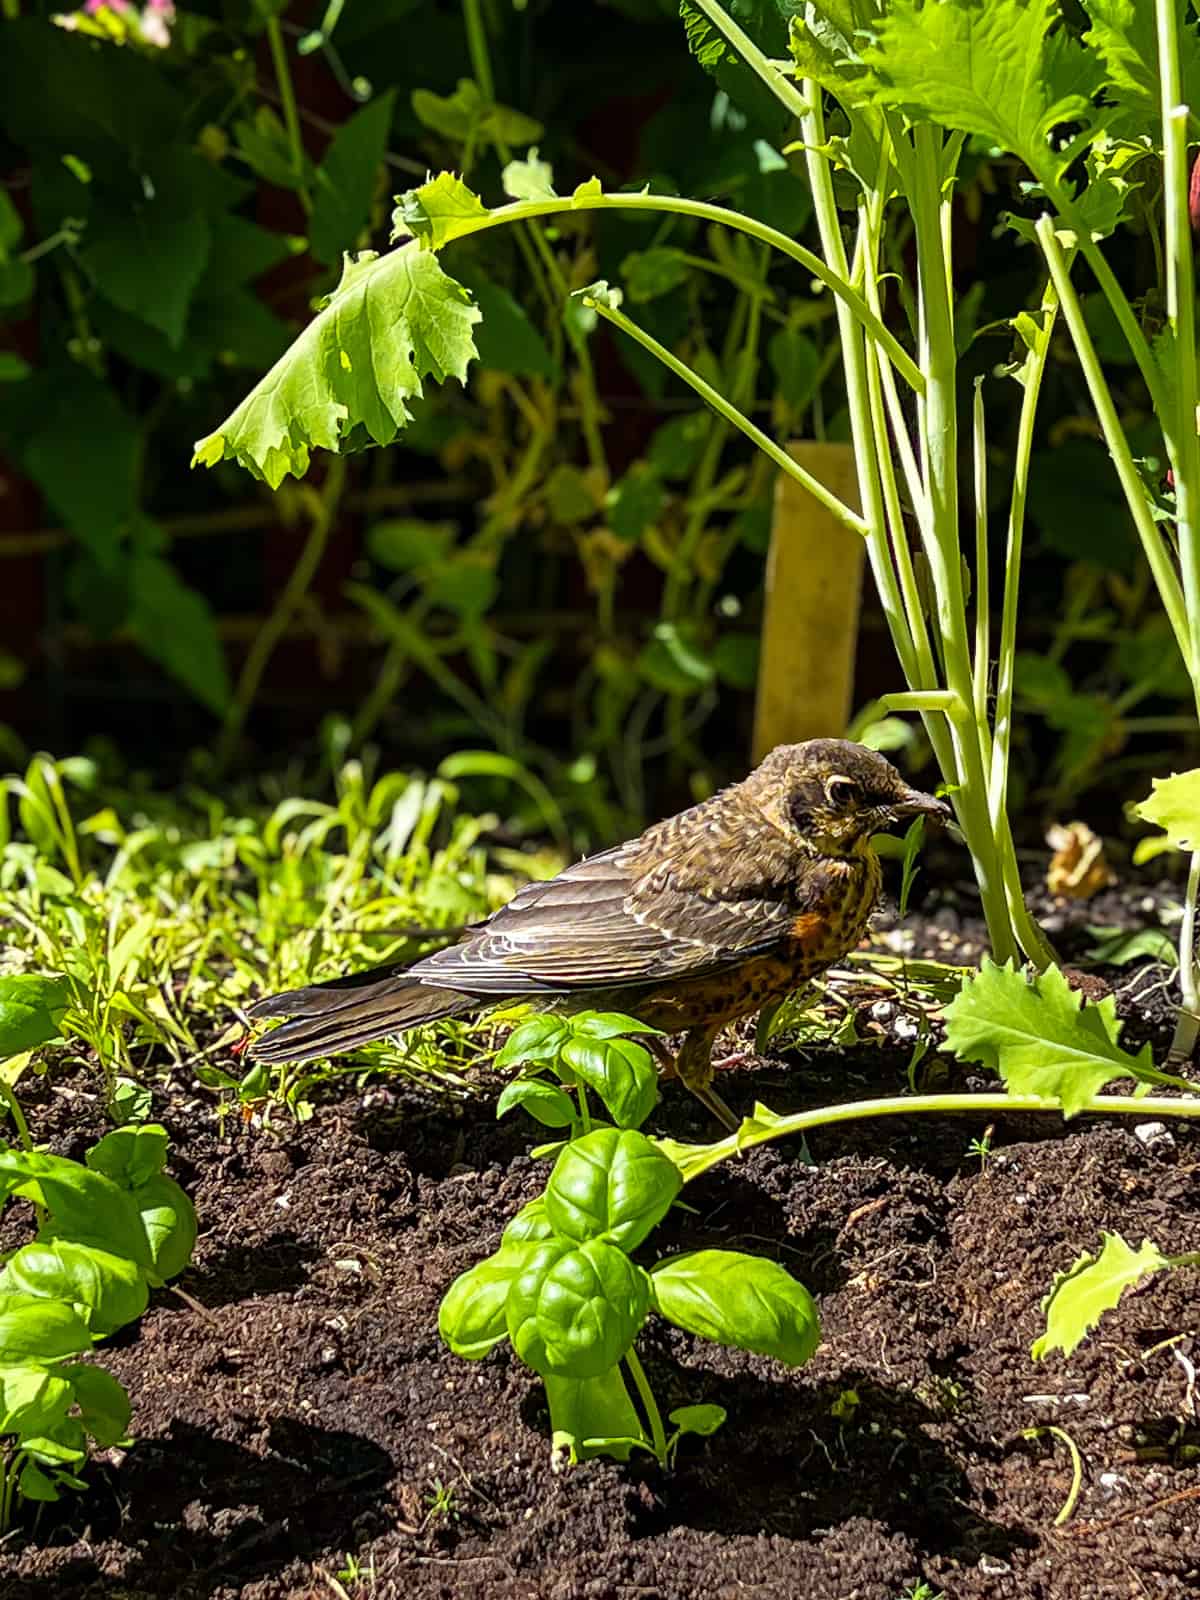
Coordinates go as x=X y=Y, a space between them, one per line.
x=695 y=1068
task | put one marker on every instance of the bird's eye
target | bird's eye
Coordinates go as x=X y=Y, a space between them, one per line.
x=842 y=793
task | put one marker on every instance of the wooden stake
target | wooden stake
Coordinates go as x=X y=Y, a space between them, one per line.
x=811 y=608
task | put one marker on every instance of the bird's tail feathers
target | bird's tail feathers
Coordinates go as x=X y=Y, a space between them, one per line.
x=329 y=1018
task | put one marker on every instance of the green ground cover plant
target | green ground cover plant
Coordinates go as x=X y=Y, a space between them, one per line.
x=108 y=1230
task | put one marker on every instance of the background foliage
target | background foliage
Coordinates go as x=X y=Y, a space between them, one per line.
x=562 y=562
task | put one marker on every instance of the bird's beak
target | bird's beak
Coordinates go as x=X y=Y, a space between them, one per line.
x=914 y=803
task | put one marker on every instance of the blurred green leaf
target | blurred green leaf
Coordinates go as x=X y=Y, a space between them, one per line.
x=344 y=183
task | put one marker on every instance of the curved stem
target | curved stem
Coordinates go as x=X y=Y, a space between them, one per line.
x=1187 y=1024
x=724 y=408
x=520 y=210
x=764 y=1126
x=287 y=98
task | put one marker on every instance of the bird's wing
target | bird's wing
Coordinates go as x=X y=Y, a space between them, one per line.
x=674 y=903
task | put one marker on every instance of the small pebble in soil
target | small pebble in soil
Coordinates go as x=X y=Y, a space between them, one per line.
x=1154 y=1136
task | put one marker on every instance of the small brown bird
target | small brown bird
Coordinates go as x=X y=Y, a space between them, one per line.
x=701 y=920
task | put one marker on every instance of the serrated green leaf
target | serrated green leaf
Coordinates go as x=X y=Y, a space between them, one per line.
x=393 y=321
x=1090 y=1287
x=1174 y=806
x=344 y=183
x=1041 y=1040
x=438 y=211
x=1003 y=69
x=1124 y=35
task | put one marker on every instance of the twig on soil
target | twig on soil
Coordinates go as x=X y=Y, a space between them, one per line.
x=194 y=1305
x=1088 y=1528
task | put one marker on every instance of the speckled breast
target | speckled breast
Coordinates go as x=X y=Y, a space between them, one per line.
x=819 y=938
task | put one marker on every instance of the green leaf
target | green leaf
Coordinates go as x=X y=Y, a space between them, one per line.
x=264 y=146
x=538 y=1038
x=593 y=1416
x=344 y=183
x=104 y=1409
x=169 y=1222
x=550 y=1105
x=650 y=273
x=620 y=1072
x=676 y=446
x=1117 y=947
x=735 y=659
x=635 y=502
x=530 y=1224
x=465 y=115
x=763 y=21
x=608 y=1025
x=32 y=1400
x=471 y=1317
x=1124 y=34
x=404 y=543
x=795 y=361
x=701 y=1420
x=130 y=1156
x=393 y=321
x=33 y=1484
x=1090 y=1287
x=89 y=428
x=175 y=625
x=83 y=1206
x=36 y=1330
x=148 y=257
x=107 y=1290
x=530 y=179
x=507 y=340
x=738 y=1300
x=1174 y=806
x=1003 y=69
x=437 y=211
x=611 y=1184
x=1041 y=1039
x=573 y=1310
x=31 y=1008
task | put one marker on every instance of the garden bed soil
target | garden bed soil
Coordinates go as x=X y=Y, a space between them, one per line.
x=296 y=1416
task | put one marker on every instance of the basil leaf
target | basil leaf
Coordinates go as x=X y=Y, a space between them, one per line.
x=739 y=1300
x=594 y=1416
x=168 y=1220
x=83 y=1205
x=574 y=1309
x=530 y=1224
x=35 y=1330
x=31 y=1399
x=104 y=1409
x=537 y=1039
x=620 y=1072
x=550 y=1105
x=31 y=1008
x=107 y=1290
x=613 y=1184
x=129 y=1156
x=471 y=1317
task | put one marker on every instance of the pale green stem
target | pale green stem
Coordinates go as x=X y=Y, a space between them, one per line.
x=649 y=1403
x=1034 y=371
x=724 y=408
x=782 y=87
x=983 y=644
x=521 y=210
x=1118 y=445
x=1072 y=1499
x=287 y=98
x=693 y=1160
x=1181 y=314
x=1187 y=1023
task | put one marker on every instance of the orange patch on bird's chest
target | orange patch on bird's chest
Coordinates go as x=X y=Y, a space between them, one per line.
x=817 y=939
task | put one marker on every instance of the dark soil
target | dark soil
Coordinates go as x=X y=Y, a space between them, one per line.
x=299 y=1409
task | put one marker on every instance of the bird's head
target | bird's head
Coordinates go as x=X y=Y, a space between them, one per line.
x=835 y=794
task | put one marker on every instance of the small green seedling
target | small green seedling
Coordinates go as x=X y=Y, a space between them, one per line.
x=587 y=1051
x=565 y=1290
